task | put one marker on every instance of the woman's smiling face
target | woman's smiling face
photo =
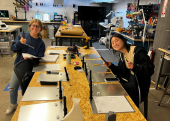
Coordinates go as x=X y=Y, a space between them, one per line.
x=117 y=43
x=35 y=28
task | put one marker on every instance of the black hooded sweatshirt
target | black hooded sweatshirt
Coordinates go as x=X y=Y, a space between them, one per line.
x=143 y=70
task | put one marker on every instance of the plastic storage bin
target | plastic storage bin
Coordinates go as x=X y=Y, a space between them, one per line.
x=51 y=31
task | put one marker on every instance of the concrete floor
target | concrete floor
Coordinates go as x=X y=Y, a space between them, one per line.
x=155 y=112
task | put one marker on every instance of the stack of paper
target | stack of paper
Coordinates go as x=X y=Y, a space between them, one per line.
x=49 y=58
x=56 y=51
x=51 y=47
x=46 y=58
x=116 y=104
x=29 y=55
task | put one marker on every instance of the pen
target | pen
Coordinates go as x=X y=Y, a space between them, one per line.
x=30 y=46
x=23 y=35
x=126 y=59
x=104 y=60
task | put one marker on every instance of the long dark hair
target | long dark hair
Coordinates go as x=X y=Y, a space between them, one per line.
x=123 y=39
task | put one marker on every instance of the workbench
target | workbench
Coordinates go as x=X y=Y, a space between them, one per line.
x=78 y=87
x=6 y=39
x=71 y=28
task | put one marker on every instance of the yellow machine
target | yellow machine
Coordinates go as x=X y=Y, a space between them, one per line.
x=87 y=45
x=119 y=29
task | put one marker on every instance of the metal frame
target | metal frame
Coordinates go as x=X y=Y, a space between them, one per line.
x=47 y=93
x=94 y=108
x=100 y=77
x=57 y=106
x=159 y=70
x=52 y=77
x=167 y=85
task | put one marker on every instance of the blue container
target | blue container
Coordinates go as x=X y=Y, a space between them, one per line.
x=72 y=21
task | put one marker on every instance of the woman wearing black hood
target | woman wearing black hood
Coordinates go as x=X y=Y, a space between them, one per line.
x=134 y=69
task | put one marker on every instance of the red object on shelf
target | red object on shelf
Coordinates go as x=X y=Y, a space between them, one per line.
x=152 y=55
x=150 y=20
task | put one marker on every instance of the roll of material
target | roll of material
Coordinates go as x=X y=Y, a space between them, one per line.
x=73 y=33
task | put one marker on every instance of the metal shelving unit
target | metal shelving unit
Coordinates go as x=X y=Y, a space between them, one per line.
x=5 y=44
x=135 y=23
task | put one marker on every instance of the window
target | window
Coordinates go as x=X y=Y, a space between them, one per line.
x=38 y=16
x=46 y=17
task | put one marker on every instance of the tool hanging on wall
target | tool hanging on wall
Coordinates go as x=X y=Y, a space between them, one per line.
x=74 y=5
x=36 y=4
x=56 y=5
x=25 y=2
x=26 y=7
x=20 y=2
x=18 y=5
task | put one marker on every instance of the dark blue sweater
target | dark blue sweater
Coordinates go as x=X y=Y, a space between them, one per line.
x=17 y=46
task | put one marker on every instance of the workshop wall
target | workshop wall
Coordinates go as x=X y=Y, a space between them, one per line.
x=122 y=7
x=67 y=8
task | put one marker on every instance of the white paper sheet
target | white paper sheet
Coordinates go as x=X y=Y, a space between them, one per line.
x=75 y=113
x=51 y=47
x=56 y=51
x=29 y=55
x=49 y=58
x=117 y=104
x=77 y=25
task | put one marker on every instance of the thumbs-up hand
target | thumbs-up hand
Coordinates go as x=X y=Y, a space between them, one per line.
x=22 y=40
x=130 y=65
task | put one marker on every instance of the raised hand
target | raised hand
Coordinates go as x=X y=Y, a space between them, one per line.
x=22 y=40
x=108 y=63
x=129 y=65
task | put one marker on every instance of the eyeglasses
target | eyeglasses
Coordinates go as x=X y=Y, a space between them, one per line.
x=35 y=26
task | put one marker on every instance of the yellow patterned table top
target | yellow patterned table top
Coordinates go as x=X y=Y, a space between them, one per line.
x=78 y=87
